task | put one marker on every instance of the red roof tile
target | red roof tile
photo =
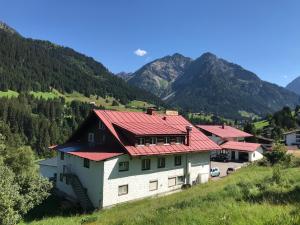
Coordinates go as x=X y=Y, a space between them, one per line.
x=226 y=132
x=150 y=128
x=199 y=142
x=95 y=153
x=241 y=146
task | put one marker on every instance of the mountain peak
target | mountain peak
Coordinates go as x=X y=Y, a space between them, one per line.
x=208 y=56
x=294 y=85
x=6 y=28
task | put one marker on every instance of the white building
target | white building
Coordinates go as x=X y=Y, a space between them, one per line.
x=243 y=151
x=116 y=157
x=231 y=140
x=48 y=168
x=292 y=137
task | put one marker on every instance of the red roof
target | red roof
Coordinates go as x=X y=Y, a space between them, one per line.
x=226 y=132
x=135 y=121
x=95 y=153
x=96 y=156
x=150 y=128
x=241 y=146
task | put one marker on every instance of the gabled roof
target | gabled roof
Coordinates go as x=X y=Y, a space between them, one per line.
x=292 y=131
x=226 y=132
x=143 y=129
x=95 y=153
x=199 y=142
x=241 y=146
x=49 y=162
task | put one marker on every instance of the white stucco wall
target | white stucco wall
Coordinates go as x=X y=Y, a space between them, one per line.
x=290 y=139
x=138 y=180
x=258 y=154
x=91 y=178
x=47 y=171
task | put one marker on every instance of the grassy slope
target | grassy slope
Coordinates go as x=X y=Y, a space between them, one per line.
x=107 y=102
x=261 y=124
x=203 y=204
x=8 y=94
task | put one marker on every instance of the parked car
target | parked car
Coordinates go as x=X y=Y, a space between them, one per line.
x=230 y=170
x=214 y=172
x=220 y=158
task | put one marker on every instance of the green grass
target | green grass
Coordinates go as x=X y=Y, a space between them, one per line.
x=44 y=95
x=246 y=114
x=9 y=94
x=261 y=124
x=216 y=202
x=76 y=96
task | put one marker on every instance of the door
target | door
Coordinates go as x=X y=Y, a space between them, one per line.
x=232 y=155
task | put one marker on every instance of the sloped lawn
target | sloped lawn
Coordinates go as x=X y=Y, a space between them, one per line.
x=250 y=196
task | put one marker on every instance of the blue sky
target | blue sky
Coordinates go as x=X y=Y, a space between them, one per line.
x=261 y=35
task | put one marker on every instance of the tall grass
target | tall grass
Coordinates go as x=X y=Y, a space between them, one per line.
x=218 y=202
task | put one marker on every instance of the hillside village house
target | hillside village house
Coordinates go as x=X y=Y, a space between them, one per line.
x=232 y=142
x=116 y=157
x=292 y=137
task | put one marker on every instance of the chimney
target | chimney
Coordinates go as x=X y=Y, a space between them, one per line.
x=150 y=111
x=223 y=125
x=188 y=138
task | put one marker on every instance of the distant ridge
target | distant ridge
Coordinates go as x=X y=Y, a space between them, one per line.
x=211 y=84
x=294 y=85
x=6 y=28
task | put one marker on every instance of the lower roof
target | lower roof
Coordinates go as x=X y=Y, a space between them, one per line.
x=94 y=153
x=49 y=162
x=241 y=146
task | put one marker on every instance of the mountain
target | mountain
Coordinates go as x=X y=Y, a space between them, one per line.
x=294 y=86
x=6 y=28
x=27 y=64
x=158 y=75
x=214 y=85
x=125 y=76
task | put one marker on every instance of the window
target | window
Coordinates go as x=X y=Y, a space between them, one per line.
x=62 y=155
x=167 y=140
x=153 y=141
x=146 y=164
x=61 y=177
x=153 y=185
x=101 y=125
x=177 y=160
x=67 y=180
x=141 y=141
x=91 y=137
x=161 y=162
x=123 y=166
x=171 y=181
x=179 y=140
x=180 y=179
x=86 y=163
x=123 y=189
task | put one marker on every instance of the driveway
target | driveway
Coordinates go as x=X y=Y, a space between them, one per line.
x=223 y=166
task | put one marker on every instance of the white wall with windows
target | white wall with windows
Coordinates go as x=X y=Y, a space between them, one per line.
x=141 y=181
x=90 y=173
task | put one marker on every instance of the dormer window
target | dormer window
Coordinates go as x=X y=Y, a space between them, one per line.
x=167 y=140
x=141 y=141
x=179 y=140
x=91 y=137
x=153 y=141
x=101 y=125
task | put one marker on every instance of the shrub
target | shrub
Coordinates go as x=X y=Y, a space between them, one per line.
x=278 y=154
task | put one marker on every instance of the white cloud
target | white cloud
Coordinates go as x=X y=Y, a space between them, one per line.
x=140 y=52
x=285 y=76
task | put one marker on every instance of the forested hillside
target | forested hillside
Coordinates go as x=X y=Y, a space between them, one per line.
x=40 y=122
x=27 y=64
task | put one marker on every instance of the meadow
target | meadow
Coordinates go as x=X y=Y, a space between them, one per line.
x=253 y=195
